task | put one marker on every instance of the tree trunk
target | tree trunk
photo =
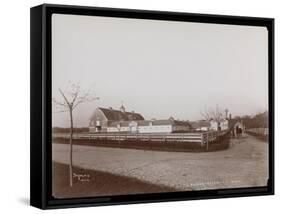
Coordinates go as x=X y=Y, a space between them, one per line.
x=71 y=149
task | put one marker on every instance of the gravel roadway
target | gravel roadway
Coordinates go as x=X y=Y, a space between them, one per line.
x=244 y=164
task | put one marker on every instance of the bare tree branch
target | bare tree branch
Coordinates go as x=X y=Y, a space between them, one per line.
x=59 y=103
x=64 y=97
x=211 y=113
x=71 y=99
x=84 y=99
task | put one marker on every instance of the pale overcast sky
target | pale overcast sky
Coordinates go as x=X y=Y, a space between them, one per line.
x=159 y=68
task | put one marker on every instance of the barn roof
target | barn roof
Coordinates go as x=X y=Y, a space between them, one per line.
x=116 y=115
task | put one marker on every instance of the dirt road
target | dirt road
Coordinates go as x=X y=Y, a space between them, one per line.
x=244 y=164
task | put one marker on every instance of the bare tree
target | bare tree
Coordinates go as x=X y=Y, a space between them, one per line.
x=71 y=98
x=213 y=113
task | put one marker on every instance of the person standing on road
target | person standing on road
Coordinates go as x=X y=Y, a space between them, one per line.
x=237 y=131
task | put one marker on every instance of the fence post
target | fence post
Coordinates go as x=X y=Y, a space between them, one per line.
x=207 y=145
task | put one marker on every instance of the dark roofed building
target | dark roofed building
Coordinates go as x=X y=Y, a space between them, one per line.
x=111 y=120
x=103 y=117
x=201 y=125
x=118 y=115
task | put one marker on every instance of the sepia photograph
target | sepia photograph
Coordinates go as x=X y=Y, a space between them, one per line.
x=144 y=106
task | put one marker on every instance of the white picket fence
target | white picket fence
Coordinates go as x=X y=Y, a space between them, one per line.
x=195 y=137
x=259 y=131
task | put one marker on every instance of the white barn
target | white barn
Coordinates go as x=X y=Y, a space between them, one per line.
x=111 y=120
x=221 y=125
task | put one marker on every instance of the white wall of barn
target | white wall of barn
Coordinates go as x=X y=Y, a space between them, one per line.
x=223 y=125
x=143 y=129
x=156 y=129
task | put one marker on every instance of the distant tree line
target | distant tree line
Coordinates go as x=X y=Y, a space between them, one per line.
x=66 y=130
x=257 y=121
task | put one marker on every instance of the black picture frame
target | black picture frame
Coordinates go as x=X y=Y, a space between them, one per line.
x=40 y=130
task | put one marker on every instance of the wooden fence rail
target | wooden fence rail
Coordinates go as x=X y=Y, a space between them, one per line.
x=258 y=131
x=196 y=137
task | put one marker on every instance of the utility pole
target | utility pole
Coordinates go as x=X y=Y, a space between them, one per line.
x=226 y=113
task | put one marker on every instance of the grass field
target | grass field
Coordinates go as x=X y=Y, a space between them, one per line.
x=96 y=183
